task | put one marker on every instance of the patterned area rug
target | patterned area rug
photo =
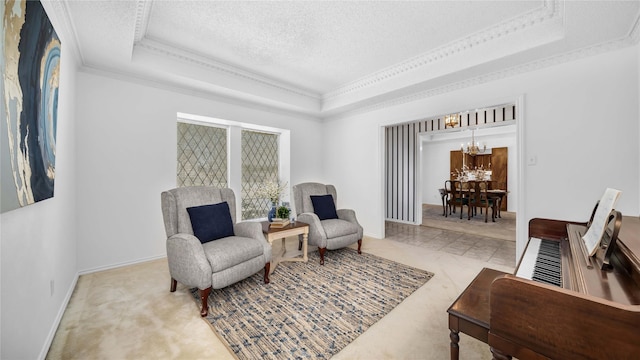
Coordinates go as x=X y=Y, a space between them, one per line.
x=310 y=311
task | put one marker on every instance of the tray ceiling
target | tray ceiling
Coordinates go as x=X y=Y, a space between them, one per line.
x=325 y=58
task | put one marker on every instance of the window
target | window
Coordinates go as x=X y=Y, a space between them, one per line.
x=240 y=156
x=259 y=166
x=202 y=155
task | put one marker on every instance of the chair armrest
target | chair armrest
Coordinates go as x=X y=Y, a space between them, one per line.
x=187 y=262
x=316 y=231
x=253 y=230
x=350 y=216
x=249 y=229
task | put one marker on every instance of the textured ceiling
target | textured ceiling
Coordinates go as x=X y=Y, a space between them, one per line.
x=323 y=58
x=320 y=45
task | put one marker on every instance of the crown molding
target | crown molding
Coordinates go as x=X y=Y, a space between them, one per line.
x=163 y=84
x=550 y=10
x=577 y=54
x=60 y=12
x=143 y=11
x=206 y=62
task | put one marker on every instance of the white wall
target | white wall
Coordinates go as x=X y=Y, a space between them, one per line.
x=580 y=119
x=127 y=157
x=436 y=163
x=39 y=244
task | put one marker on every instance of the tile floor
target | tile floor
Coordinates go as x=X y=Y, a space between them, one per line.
x=483 y=248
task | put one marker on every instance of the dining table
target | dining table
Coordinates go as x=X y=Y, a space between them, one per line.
x=497 y=194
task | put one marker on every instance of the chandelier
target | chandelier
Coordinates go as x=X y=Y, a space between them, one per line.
x=450 y=120
x=473 y=148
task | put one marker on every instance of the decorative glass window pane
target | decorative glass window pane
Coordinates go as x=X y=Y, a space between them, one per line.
x=202 y=155
x=259 y=166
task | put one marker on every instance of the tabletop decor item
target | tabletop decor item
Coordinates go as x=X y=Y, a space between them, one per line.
x=272 y=190
x=477 y=173
x=281 y=217
x=283 y=212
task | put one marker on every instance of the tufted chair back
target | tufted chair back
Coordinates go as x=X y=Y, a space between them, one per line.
x=302 y=195
x=176 y=201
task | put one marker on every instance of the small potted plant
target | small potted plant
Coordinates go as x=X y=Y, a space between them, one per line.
x=283 y=212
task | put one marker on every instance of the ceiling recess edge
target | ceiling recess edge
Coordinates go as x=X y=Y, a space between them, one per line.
x=577 y=54
x=550 y=10
x=60 y=12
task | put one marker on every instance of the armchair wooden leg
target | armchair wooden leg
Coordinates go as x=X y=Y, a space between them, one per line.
x=322 y=251
x=267 y=267
x=299 y=243
x=359 y=246
x=174 y=284
x=204 y=295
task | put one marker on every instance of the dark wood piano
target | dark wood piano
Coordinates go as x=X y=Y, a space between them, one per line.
x=575 y=306
x=567 y=305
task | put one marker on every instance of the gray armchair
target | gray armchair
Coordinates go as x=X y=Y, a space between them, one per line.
x=213 y=264
x=331 y=233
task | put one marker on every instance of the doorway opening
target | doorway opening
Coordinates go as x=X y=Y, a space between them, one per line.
x=402 y=178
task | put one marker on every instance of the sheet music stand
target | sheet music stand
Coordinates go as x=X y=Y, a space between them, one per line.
x=608 y=240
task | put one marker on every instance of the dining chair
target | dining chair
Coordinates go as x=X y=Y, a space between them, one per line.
x=457 y=196
x=443 y=195
x=480 y=198
x=448 y=189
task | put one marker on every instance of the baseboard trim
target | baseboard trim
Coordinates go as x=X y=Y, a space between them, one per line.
x=56 y=322
x=404 y=221
x=122 y=264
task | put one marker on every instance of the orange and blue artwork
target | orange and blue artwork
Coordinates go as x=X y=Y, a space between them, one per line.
x=30 y=80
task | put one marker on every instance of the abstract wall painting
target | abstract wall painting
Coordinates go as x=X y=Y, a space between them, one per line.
x=30 y=64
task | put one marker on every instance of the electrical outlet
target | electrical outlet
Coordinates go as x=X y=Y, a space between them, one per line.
x=51 y=286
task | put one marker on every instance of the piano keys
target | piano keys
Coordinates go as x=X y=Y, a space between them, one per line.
x=541 y=262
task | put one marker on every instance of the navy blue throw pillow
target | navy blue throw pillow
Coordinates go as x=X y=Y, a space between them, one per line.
x=324 y=207
x=211 y=222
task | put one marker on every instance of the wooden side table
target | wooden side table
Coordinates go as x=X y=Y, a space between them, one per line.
x=293 y=229
x=470 y=312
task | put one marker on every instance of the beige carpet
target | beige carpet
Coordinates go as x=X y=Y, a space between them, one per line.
x=503 y=228
x=129 y=313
